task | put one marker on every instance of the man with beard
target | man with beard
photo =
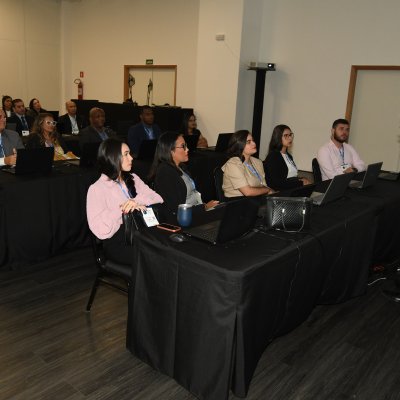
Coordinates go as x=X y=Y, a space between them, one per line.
x=337 y=156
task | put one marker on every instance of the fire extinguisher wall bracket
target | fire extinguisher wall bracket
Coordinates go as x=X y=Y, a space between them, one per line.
x=80 y=88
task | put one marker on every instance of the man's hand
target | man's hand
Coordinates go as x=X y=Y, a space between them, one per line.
x=11 y=160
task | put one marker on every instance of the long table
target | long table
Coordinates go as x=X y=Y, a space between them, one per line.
x=204 y=314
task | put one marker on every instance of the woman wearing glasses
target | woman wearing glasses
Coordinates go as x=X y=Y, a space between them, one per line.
x=44 y=134
x=280 y=168
x=243 y=173
x=189 y=127
x=171 y=178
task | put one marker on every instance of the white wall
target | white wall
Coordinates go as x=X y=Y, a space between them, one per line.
x=29 y=46
x=314 y=43
x=100 y=37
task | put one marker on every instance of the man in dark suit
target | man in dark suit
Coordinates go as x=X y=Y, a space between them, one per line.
x=146 y=129
x=10 y=141
x=23 y=122
x=70 y=123
x=96 y=132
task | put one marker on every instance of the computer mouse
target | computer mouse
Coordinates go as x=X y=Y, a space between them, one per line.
x=178 y=238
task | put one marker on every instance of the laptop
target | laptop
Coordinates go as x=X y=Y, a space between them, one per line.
x=147 y=149
x=370 y=177
x=389 y=175
x=88 y=156
x=223 y=142
x=191 y=142
x=33 y=161
x=238 y=218
x=335 y=190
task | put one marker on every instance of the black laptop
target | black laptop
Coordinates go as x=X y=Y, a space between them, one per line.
x=33 y=161
x=238 y=218
x=223 y=142
x=370 y=177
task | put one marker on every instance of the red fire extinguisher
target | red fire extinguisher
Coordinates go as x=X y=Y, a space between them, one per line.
x=80 y=88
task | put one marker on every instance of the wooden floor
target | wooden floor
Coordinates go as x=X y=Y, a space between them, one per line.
x=51 y=349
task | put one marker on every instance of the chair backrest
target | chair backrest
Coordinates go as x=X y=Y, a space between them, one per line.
x=316 y=171
x=218 y=179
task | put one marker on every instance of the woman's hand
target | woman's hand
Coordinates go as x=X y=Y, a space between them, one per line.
x=211 y=204
x=131 y=205
x=305 y=181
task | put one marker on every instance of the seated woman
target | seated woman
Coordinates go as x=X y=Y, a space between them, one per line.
x=35 y=108
x=44 y=134
x=243 y=174
x=171 y=179
x=280 y=169
x=117 y=191
x=189 y=127
x=6 y=103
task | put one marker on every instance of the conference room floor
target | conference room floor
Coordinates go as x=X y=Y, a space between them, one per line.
x=52 y=349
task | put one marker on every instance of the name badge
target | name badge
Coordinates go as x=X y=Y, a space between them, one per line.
x=25 y=133
x=345 y=166
x=149 y=217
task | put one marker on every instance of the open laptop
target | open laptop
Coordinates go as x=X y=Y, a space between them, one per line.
x=238 y=218
x=335 y=190
x=88 y=156
x=33 y=161
x=191 y=142
x=223 y=142
x=147 y=149
x=370 y=177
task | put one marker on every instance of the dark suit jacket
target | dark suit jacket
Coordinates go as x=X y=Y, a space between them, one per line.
x=90 y=135
x=169 y=184
x=64 y=126
x=276 y=172
x=10 y=140
x=16 y=120
x=136 y=135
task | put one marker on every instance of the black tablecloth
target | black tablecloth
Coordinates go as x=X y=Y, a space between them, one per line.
x=40 y=216
x=204 y=314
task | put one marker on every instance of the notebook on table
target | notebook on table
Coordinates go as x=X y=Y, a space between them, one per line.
x=238 y=218
x=335 y=190
x=33 y=161
x=370 y=177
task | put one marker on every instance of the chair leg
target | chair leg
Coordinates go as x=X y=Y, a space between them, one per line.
x=131 y=294
x=93 y=292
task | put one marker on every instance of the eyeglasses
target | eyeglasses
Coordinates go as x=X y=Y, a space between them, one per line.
x=52 y=123
x=288 y=135
x=182 y=146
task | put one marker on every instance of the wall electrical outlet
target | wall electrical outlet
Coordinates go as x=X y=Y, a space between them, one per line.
x=220 y=37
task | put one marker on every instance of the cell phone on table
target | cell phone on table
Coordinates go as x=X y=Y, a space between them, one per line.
x=169 y=227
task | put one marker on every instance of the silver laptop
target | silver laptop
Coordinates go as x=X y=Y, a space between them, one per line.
x=370 y=177
x=335 y=190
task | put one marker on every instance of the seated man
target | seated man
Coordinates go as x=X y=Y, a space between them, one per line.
x=24 y=122
x=70 y=123
x=10 y=141
x=96 y=132
x=338 y=157
x=144 y=130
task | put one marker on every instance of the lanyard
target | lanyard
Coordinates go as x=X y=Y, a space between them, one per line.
x=190 y=179
x=341 y=153
x=149 y=132
x=123 y=190
x=253 y=171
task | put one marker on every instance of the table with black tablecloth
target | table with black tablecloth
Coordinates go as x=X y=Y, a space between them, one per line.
x=204 y=314
x=43 y=215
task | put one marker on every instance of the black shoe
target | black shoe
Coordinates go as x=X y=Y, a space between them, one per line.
x=392 y=295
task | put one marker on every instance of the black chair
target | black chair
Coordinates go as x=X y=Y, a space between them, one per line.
x=109 y=273
x=316 y=171
x=218 y=179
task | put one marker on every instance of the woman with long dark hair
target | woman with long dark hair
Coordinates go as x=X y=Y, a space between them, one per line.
x=189 y=127
x=171 y=178
x=117 y=191
x=6 y=103
x=243 y=173
x=35 y=108
x=280 y=169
